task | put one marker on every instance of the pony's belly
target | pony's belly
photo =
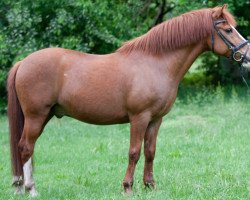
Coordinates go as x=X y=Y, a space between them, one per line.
x=97 y=116
x=102 y=121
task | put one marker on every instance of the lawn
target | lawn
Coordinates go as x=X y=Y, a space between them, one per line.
x=203 y=152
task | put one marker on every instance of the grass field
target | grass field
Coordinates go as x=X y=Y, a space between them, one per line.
x=203 y=152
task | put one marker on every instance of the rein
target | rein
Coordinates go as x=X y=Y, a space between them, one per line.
x=235 y=54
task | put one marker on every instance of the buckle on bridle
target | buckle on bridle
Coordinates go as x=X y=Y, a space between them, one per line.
x=237 y=56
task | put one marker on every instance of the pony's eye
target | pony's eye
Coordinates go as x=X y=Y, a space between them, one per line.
x=229 y=30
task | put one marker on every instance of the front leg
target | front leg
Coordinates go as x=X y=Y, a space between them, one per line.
x=149 y=151
x=138 y=126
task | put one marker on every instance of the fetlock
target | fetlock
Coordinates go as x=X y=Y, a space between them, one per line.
x=18 y=185
x=127 y=185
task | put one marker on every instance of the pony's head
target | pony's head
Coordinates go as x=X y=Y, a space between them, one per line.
x=225 y=39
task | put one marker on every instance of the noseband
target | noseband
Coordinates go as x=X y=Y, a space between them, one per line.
x=235 y=49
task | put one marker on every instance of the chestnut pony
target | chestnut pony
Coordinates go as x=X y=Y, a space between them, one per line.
x=137 y=84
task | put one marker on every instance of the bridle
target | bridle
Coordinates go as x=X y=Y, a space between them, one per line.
x=235 y=49
x=235 y=53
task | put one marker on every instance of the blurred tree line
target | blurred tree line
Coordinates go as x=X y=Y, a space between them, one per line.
x=99 y=26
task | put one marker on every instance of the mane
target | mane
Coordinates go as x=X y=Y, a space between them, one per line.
x=186 y=29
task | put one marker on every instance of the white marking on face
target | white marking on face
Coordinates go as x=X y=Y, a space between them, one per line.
x=246 y=65
x=241 y=37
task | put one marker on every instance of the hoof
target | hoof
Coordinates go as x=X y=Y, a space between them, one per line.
x=19 y=191
x=128 y=192
x=128 y=188
x=31 y=191
x=18 y=185
x=150 y=185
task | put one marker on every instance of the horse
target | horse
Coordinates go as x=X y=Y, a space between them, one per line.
x=135 y=84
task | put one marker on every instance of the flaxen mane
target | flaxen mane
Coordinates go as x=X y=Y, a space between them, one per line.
x=180 y=31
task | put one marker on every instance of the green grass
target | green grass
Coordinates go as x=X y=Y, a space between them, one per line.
x=203 y=152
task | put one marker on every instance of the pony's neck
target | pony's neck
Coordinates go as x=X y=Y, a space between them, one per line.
x=178 y=62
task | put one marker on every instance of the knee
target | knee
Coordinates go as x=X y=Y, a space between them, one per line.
x=134 y=155
x=150 y=154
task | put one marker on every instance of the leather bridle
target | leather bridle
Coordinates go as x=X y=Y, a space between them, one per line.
x=235 y=53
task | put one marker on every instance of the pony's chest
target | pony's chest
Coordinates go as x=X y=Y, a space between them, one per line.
x=165 y=104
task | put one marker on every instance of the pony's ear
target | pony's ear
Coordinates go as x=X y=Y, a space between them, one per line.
x=217 y=12
x=224 y=7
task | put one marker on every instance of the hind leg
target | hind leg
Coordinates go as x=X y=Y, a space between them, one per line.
x=32 y=130
x=25 y=182
x=29 y=183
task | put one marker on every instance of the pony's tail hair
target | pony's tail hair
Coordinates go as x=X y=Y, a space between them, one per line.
x=16 y=122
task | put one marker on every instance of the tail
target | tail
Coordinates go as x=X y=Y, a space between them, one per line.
x=16 y=122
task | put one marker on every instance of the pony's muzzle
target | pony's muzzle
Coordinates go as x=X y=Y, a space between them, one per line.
x=246 y=65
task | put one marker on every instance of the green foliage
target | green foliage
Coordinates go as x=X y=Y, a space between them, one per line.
x=3 y=106
x=3 y=75
x=205 y=95
x=90 y=26
x=197 y=78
